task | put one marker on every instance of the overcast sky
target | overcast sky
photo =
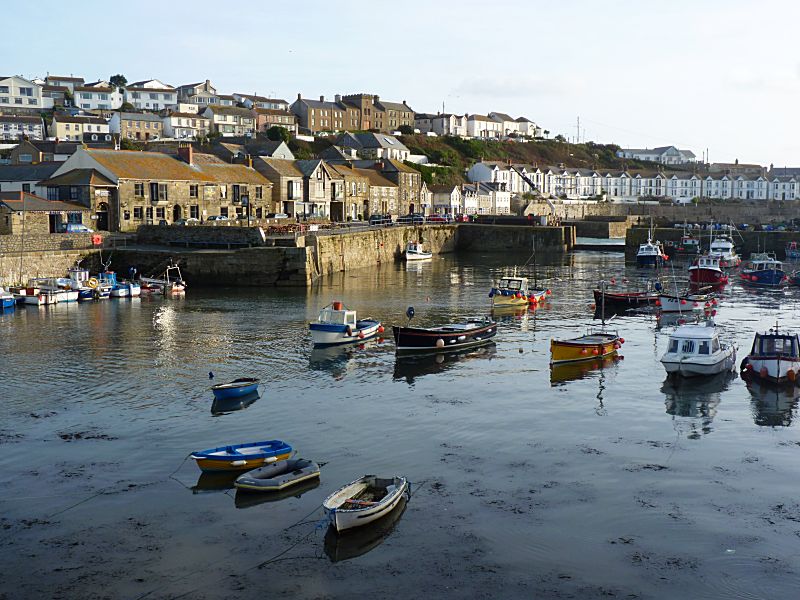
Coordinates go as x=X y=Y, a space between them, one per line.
x=717 y=74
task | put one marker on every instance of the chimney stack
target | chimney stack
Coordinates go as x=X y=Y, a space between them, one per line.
x=338 y=98
x=299 y=96
x=185 y=153
x=322 y=98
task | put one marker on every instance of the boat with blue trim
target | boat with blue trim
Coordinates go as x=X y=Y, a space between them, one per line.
x=7 y=300
x=722 y=247
x=238 y=388
x=337 y=324
x=764 y=270
x=241 y=457
x=514 y=291
x=120 y=288
x=650 y=254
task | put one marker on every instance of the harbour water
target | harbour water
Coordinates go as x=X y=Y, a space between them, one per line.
x=579 y=483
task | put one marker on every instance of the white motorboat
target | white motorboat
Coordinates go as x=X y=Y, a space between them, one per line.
x=171 y=283
x=337 y=324
x=774 y=357
x=414 y=251
x=686 y=302
x=364 y=500
x=33 y=296
x=722 y=247
x=695 y=350
x=59 y=287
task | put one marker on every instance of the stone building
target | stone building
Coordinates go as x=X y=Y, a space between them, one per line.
x=323 y=189
x=409 y=185
x=21 y=212
x=136 y=126
x=382 y=194
x=231 y=121
x=269 y=117
x=287 y=184
x=125 y=189
x=356 y=193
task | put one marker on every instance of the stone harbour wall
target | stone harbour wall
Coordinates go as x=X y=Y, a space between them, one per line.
x=43 y=264
x=42 y=242
x=505 y=238
x=746 y=242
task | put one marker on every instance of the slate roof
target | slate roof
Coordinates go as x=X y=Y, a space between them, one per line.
x=53 y=147
x=391 y=164
x=23 y=201
x=379 y=140
x=59 y=78
x=128 y=116
x=334 y=153
x=307 y=167
x=231 y=110
x=375 y=178
x=147 y=89
x=16 y=119
x=229 y=173
x=503 y=116
x=442 y=189
x=98 y=89
x=261 y=98
x=36 y=172
x=398 y=106
x=78 y=119
x=322 y=104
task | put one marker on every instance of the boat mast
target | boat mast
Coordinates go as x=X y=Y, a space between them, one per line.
x=22 y=243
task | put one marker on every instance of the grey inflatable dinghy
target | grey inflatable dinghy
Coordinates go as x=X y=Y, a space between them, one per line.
x=278 y=475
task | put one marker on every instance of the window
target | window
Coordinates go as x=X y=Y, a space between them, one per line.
x=52 y=193
x=688 y=347
x=704 y=347
x=715 y=345
x=236 y=193
x=33 y=101
x=223 y=211
x=162 y=191
x=138 y=213
x=26 y=91
x=259 y=193
x=25 y=158
x=223 y=191
x=160 y=212
x=17 y=100
x=74 y=193
x=3 y=89
x=193 y=191
x=194 y=211
x=149 y=213
x=153 y=96
x=138 y=190
x=26 y=187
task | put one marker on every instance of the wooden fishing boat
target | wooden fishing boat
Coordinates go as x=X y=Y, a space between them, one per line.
x=764 y=270
x=244 y=499
x=593 y=345
x=364 y=500
x=706 y=273
x=278 y=475
x=244 y=386
x=454 y=336
x=241 y=457
x=414 y=251
x=7 y=300
x=623 y=300
x=515 y=291
x=355 y=543
x=723 y=248
x=171 y=283
x=650 y=254
x=686 y=302
x=696 y=350
x=775 y=357
x=338 y=324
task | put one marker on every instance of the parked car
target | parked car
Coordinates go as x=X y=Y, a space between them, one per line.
x=412 y=219
x=189 y=221
x=218 y=218
x=436 y=219
x=380 y=220
x=75 y=228
x=462 y=218
x=277 y=216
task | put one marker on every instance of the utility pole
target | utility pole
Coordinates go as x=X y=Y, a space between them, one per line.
x=578 y=131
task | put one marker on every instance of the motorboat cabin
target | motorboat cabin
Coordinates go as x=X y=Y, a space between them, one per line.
x=695 y=350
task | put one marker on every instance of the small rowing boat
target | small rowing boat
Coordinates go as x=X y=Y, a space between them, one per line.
x=414 y=251
x=454 y=336
x=241 y=457
x=244 y=386
x=364 y=500
x=278 y=475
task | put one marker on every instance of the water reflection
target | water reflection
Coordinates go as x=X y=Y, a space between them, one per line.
x=215 y=482
x=562 y=373
x=244 y=499
x=696 y=398
x=336 y=360
x=410 y=366
x=772 y=404
x=359 y=541
x=223 y=406
x=674 y=319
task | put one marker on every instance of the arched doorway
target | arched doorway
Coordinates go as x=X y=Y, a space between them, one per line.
x=411 y=208
x=176 y=213
x=102 y=216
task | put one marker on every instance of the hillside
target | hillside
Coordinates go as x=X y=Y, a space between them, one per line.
x=456 y=155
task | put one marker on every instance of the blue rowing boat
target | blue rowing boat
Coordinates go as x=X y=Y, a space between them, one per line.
x=242 y=457
x=244 y=386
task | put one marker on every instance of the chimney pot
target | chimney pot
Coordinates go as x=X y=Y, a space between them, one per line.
x=338 y=98
x=299 y=96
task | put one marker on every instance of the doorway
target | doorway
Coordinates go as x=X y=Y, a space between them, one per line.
x=102 y=216
x=176 y=213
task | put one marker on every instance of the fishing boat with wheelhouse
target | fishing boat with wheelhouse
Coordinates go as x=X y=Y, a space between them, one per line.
x=792 y=251
x=414 y=251
x=696 y=350
x=515 y=291
x=764 y=270
x=171 y=283
x=722 y=247
x=650 y=254
x=774 y=357
x=706 y=273
x=337 y=324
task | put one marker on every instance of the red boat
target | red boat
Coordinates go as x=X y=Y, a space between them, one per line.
x=706 y=273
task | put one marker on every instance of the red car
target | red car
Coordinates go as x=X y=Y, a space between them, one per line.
x=462 y=218
x=436 y=219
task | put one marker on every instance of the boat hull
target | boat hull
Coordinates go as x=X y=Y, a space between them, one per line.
x=241 y=457
x=649 y=261
x=418 y=255
x=329 y=334
x=775 y=370
x=624 y=299
x=278 y=476
x=670 y=304
x=8 y=302
x=232 y=392
x=764 y=278
x=499 y=300
x=413 y=339
x=589 y=347
x=342 y=519
x=725 y=362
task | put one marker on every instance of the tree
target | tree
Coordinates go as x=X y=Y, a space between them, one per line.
x=406 y=129
x=118 y=80
x=126 y=107
x=276 y=133
x=546 y=132
x=560 y=138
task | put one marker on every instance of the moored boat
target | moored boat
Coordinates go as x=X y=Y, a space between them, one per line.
x=120 y=288
x=695 y=350
x=792 y=251
x=650 y=254
x=278 y=475
x=591 y=346
x=686 y=302
x=706 y=273
x=241 y=457
x=515 y=291
x=32 y=296
x=238 y=388
x=7 y=300
x=338 y=324
x=364 y=500
x=623 y=300
x=171 y=283
x=414 y=251
x=722 y=247
x=55 y=286
x=764 y=270
x=775 y=356
x=453 y=336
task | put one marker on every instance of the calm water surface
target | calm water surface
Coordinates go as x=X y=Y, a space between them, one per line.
x=579 y=483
